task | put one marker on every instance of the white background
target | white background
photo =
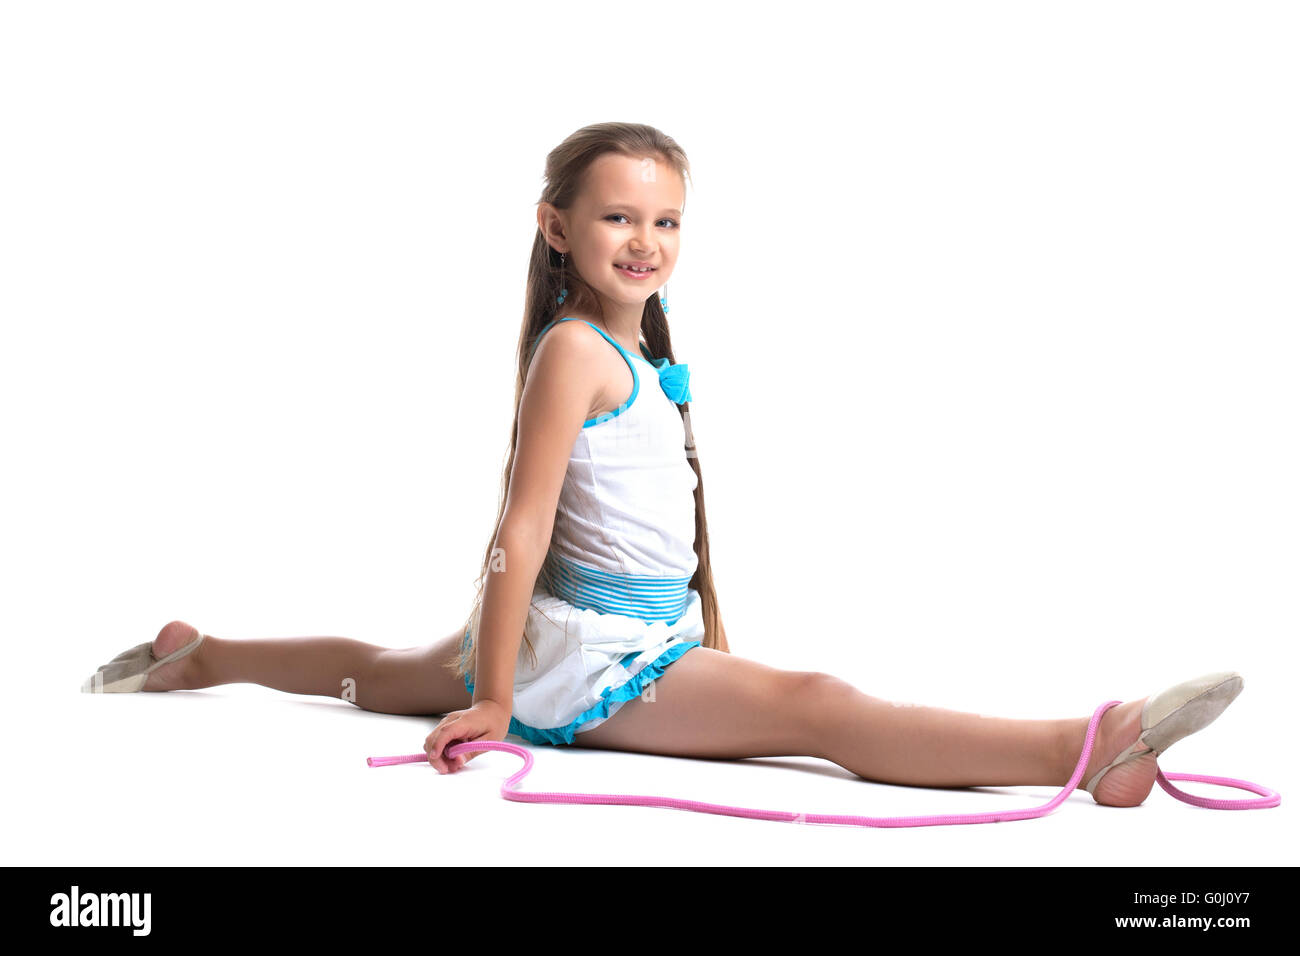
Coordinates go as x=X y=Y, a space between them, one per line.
x=990 y=311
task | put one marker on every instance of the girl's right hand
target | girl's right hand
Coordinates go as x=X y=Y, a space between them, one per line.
x=486 y=720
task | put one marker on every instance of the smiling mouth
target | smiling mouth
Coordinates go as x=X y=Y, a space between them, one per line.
x=634 y=271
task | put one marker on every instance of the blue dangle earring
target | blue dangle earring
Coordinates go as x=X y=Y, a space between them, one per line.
x=663 y=299
x=559 y=300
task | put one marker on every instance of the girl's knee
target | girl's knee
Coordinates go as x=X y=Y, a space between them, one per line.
x=814 y=697
x=822 y=701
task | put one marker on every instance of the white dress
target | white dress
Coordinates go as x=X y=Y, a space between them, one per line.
x=617 y=607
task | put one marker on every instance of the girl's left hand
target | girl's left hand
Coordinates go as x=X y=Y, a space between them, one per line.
x=486 y=720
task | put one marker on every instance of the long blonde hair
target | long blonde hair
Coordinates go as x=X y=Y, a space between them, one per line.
x=566 y=165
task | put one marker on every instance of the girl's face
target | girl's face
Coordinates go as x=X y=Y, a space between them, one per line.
x=628 y=214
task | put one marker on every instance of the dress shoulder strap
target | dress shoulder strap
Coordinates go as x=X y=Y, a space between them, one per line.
x=573 y=318
x=636 y=378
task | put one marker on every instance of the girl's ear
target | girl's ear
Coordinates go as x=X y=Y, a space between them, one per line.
x=551 y=225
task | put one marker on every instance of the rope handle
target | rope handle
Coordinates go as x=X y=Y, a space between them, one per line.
x=509 y=791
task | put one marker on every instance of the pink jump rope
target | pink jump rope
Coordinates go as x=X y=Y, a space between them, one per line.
x=1269 y=798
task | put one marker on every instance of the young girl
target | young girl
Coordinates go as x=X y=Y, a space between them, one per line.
x=596 y=620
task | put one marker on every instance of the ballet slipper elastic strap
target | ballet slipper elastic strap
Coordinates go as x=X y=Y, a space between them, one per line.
x=1268 y=798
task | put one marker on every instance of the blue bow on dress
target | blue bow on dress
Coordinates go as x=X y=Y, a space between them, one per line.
x=675 y=380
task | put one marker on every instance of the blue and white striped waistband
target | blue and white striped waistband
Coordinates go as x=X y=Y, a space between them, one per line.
x=648 y=597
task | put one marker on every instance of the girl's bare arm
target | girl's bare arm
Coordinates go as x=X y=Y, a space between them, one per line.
x=561 y=389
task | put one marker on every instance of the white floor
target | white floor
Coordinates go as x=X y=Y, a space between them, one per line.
x=244 y=775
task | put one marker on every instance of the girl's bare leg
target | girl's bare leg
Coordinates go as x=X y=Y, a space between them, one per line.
x=387 y=680
x=713 y=704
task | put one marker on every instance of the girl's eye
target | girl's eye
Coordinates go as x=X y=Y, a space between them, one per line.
x=672 y=223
